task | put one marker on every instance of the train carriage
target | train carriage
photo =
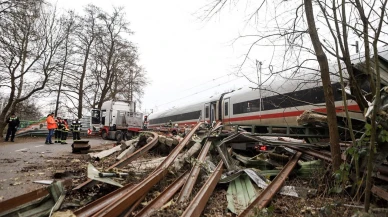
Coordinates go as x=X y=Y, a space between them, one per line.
x=246 y=107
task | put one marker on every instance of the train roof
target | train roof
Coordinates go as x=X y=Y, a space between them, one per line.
x=239 y=94
x=304 y=79
x=184 y=108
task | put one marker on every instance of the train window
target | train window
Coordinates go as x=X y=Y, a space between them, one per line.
x=226 y=112
x=304 y=97
x=207 y=112
x=180 y=117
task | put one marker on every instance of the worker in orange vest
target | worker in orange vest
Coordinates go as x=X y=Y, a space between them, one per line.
x=51 y=126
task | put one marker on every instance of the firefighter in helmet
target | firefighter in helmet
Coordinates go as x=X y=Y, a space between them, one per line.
x=58 y=130
x=64 y=131
x=75 y=129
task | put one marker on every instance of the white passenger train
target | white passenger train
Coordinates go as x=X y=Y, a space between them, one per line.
x=255 y=107
x=276 y=106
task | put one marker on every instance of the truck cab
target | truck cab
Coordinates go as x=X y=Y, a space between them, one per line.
x=116 y=120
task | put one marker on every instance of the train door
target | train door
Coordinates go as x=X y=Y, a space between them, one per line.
x=210 y=112
x=226 y=110
x=206 y=117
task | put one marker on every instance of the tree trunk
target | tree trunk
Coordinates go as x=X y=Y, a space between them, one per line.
x=61 y=79
x=81 y=83
x=376 y=107
x=3 y=114
x=326 y=83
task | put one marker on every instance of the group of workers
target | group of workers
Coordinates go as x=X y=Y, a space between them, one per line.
x=57 y=127
x=60 y=129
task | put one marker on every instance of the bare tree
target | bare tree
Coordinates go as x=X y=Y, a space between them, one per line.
x=29 y=41
x=108 y=49
x=367 y=26
x=328 y=90
x=29 y=110
x=68 y=21
x=6 y=7
x=344 y=21
x=86 y=34
x=81 y=32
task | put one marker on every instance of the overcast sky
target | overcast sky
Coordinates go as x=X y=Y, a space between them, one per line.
x=186 y=58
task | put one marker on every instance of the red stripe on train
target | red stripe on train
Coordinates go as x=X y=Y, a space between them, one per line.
x=353 y=108
x=290 y=114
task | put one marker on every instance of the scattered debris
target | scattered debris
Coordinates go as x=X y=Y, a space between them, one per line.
x=80 y=146
x=145 y=165
x=309 y=167
x=67 y=213
x=105 y=153
x=59 y=174
x=75 y=160
x=309 y=116
x=178 y=163
x=162 y=139
x=258 y=161
x=93 y=174
x=128 y=147
x=104 y=175
x=16 y=183
x=240 y=194
x=41 y=202
x=45 y=182
x=257 y=167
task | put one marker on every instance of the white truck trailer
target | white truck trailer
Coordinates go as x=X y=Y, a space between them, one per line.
x=116 y=120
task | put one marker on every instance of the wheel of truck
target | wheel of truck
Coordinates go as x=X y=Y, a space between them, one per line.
x=127 y=136
x=119 y=136
x=104 y=134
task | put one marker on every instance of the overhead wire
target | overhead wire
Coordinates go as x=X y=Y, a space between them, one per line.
x=204 y=89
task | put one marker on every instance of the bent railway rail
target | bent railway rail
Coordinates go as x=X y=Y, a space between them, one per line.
x=197 y=205
x=163 y=197
x=128 y=159
x=265 y=197
x=129 y=197
x=123 y=201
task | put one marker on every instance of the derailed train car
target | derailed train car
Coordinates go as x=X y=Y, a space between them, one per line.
x=279 y=105
x=247 y=106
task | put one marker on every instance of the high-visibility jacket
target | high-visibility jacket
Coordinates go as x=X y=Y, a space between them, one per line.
x=76 y=126
x=60 y=125
x=51 y=124
x=64 y=126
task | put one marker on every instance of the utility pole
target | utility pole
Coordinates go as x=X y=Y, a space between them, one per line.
x=131 y=85
x=258 y=72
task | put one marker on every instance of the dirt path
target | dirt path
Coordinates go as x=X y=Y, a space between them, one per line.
x=29 y=159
